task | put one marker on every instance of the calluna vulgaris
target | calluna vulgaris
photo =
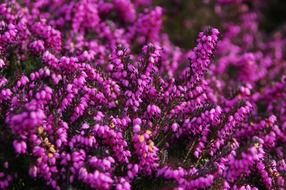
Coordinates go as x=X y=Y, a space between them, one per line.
x=93 y=95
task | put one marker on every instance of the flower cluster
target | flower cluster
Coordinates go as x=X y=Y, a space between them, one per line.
x=94 y=96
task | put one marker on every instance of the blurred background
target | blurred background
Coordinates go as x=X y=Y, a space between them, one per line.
x=185 y=18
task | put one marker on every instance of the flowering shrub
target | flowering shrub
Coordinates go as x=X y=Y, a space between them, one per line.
x=94 y=95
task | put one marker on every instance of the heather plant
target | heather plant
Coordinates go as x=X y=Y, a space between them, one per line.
x=95 y=95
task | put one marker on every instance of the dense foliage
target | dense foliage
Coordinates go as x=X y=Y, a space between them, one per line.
x=94 y=95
